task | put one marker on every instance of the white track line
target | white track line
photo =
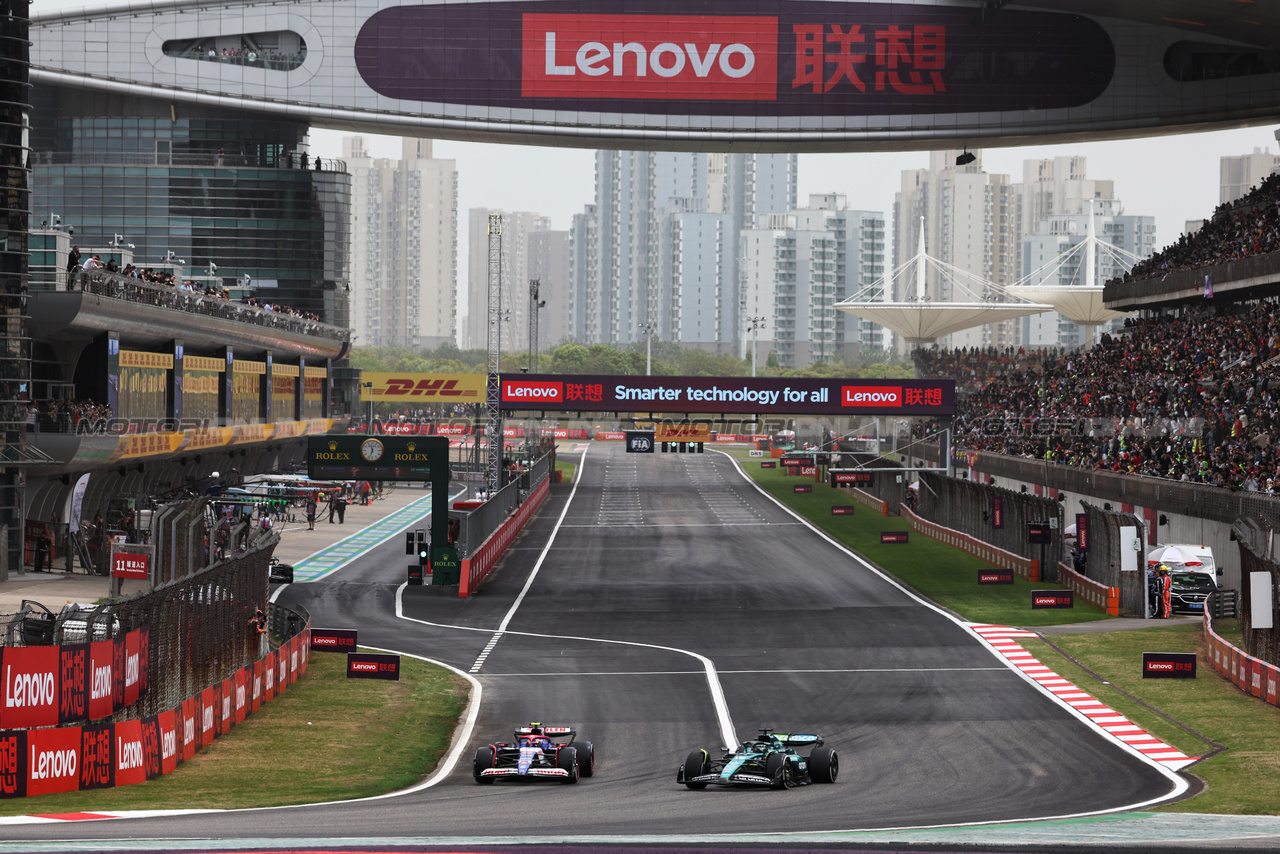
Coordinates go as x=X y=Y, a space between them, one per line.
x=721 y=705
x=1180 y=785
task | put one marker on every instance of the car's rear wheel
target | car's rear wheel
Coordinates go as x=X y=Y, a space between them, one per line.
x=778 y=770
x=824 y=765
x=695 y=765
x=586 y=757
x=484 y=759
x=567 y=760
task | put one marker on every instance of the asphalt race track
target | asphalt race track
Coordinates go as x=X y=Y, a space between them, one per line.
x=661 y=569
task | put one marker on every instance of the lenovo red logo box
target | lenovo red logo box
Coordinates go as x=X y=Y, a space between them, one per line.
x=1168 y=665
x=870 y=395
x=679 y=57
x=995 y=576
x=1052 y=599
x=333 y=640
x=532 y=391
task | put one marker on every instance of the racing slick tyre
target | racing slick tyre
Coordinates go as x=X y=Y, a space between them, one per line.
x=586 y=757
x=824 y=765
x=484 y=759
x=695 y=765
x=778 y=770
x=567 y=760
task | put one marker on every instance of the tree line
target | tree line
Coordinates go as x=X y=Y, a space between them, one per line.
x=668 y=359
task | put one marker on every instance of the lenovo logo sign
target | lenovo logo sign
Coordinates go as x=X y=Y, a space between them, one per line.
x=689 y=57
x=524 y=390
x=862 y=395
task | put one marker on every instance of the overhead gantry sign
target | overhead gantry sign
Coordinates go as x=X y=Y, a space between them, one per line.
x=746 y=395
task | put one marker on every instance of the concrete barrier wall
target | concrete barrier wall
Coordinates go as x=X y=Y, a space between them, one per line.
x=866 y=499
x=1025 y=567
x=1251 y=675
x=1093 y=592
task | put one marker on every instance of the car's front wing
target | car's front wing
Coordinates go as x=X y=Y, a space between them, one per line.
x=735 y=780
x=532 y=772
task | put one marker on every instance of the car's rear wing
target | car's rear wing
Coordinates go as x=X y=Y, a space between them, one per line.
x=546 y=730
x=799 y=740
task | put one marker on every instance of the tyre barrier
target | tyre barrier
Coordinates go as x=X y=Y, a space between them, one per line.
x=48 y=760
x=477 y=567
x=1093 y=592
x=1025 y=567
x=1253 y=676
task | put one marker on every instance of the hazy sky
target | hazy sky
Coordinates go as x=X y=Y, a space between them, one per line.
x=1173 y=178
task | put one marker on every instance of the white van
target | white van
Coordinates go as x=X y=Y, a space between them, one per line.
x=1193 y=578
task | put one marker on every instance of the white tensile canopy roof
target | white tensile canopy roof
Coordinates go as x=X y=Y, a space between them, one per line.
x=921 y=320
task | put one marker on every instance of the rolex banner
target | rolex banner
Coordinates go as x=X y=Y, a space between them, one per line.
x=332 y=457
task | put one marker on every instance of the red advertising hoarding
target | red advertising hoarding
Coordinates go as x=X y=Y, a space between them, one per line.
x=29 y=691
x=130 y=766
x=53 y=760
x=102 y=656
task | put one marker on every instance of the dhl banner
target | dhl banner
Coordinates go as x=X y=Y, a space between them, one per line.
x=244 y=366
x=203 y=363
x=148 y=444
x=423 y=388
x=139 y=359
x=668 y=432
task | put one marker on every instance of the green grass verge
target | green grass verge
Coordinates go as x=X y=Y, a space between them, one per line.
x=569 y=470
x=939 y=572
x=326 y=738
x=1241 y=778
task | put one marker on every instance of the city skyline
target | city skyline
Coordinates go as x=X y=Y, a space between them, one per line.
x=556 y=182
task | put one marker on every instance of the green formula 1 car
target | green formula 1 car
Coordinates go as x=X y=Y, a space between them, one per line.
x=768 y=760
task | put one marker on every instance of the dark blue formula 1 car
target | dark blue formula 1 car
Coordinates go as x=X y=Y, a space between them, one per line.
x=768 y=760
x=536 y=754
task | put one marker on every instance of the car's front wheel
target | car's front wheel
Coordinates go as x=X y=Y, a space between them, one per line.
x=824 y=765
x=567 y=760
x=778 y=770
x=695 y=765
x=586 y=757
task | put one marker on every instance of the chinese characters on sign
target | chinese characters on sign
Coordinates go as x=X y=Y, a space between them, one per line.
x=906 y=60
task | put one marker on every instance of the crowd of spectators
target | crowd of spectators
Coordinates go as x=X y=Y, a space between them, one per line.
x=1189 y=397
x=166 y=279
x=1249 y=226
x=68 y=416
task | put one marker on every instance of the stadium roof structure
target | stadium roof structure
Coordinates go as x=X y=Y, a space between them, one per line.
x=1080 y=303
x=921 y=320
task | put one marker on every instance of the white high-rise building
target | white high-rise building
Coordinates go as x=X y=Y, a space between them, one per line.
x=404 y=240
x=971 y=221
x=796 y=266
x=1238 y=175
x=549 y=264
x=659 y=245
x=405 y=256
x=518 y=229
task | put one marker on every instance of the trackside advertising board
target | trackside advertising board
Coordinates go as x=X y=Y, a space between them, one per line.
x=590 y=393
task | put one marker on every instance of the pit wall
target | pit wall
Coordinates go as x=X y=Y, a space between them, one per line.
x=1024 y=567
x=476 y=569
x=48 y=760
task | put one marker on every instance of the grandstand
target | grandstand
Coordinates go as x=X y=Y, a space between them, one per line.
x=150 y=383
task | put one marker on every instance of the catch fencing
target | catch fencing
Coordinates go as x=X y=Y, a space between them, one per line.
x=1102 y=562
x=972 y=509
